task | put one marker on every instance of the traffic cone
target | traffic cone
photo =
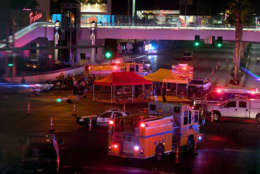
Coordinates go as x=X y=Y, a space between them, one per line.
x=90 y=125
x=51 y=125
x=74 y=110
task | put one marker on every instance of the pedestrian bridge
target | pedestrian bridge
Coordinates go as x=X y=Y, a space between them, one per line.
x=126 y=30
x=168 y=32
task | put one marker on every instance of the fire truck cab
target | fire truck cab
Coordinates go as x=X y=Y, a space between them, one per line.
x=165 y=128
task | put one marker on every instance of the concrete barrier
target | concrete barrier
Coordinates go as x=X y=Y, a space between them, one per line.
x=47 y=76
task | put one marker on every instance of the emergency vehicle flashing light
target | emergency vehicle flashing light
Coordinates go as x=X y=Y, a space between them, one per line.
x=199 y=137
x=111 y=122
x=136 y=148
x=117 y=61
x=142 y=125
x=115 y=67
x=115 y=146
x=219 y=90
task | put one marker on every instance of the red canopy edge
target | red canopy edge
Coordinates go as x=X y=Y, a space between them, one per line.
x=122 y=79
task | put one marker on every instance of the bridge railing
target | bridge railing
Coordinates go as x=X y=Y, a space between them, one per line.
x=172 y=21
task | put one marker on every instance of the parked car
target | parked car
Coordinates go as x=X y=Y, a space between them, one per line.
x=41 y=155
x=101 y=119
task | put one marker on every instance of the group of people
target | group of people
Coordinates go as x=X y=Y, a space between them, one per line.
x=78 y=83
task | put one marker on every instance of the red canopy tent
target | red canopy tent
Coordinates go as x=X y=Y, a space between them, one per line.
x=121 y=79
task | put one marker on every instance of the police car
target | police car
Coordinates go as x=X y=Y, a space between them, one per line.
x=203 y=84
x=101 y=119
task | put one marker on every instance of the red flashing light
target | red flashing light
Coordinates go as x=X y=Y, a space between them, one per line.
x=115 y=146
x=142 y=125
x=184 y=68
x=252 y=92
x=115 y=67
x=219 y=90
x=111 y=122
x=117 y=61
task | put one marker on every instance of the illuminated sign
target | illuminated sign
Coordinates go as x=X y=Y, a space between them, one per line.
x=87 y=19
x=94 y=8
x=56 y=18
x=33 y=17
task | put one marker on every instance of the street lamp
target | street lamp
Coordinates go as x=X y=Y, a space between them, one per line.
x=93 y=41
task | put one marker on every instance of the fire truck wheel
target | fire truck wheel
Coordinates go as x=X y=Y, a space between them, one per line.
x=190 y=144
x=258 y=118
x=159 y=152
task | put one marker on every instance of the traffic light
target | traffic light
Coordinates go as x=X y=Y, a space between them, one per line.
x=219 y=42
x=10 y=62
x=196 y=41
x=108 y=54
x=110 y=48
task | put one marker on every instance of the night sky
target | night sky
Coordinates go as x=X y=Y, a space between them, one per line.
x=202 y=6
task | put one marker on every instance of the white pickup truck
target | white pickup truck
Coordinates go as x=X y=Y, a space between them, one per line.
x=236 y=108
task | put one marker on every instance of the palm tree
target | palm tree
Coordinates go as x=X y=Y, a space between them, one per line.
x=240 y=16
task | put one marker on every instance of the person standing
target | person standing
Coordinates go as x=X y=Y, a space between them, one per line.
x=164 y=92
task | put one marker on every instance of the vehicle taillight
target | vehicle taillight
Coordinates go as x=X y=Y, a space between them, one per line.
x=111 y=122
x=142 y=125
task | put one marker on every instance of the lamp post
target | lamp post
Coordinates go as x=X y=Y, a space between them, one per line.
x=93 y=42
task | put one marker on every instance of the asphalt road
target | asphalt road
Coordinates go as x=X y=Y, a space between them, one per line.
x=216 y=64
x=228 y=147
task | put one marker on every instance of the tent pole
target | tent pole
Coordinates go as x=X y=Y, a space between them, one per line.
x=93 y=92
x=132 y=94
x=111 y=98
x=152 y=92
x=143 y=91
x=187 y=90
x=166 y=88
x=176 y=89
